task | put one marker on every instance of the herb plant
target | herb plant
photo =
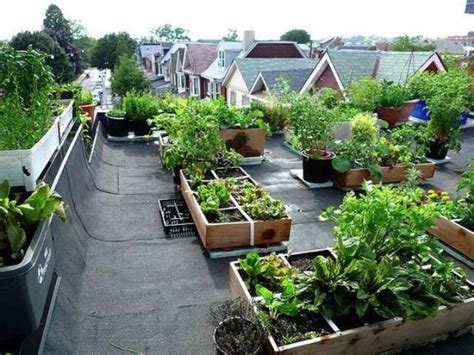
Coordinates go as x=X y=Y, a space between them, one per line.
x=364 y=94
x=17 y=218
x=393 y=95
x=139 y=106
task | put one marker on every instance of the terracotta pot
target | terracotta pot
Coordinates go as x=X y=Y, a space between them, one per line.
x=393 y=115
x=89 y=110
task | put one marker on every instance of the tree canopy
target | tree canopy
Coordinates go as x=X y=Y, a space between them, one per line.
x=54 y=19
x=409 y=44
x=111 y=47
x=231 y=36
x=299 y=36
x=169 y=33
x=128 y=76
x=57 y=58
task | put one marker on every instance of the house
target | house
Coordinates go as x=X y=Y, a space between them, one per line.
x=453 y=47
x=171 y=63
x=244 y=72
x=151 y=54
x=321 y=47
x=337 y=68
x=249 y=48
x=197 y=57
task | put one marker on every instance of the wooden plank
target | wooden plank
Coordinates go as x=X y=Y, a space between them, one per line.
x=455 y=235
x=354 y=177
x=256 y=137
x=268 y=232
x=236 y=284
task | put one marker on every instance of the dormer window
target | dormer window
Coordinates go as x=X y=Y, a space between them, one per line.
x=221 y=59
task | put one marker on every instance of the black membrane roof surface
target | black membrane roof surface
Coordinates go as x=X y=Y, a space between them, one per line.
x=125 y=284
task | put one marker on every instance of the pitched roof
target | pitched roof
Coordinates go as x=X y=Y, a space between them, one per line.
x=453 y=47
x=232 y=50
x=251 y=67
x=393 y=66
x=149 y=48
x=295 y=77
x=199 y=56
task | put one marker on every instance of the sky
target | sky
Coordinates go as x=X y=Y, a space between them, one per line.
x=268 y=18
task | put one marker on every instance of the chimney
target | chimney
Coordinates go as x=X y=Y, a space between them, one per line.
x=375 y=72
x=248 y=39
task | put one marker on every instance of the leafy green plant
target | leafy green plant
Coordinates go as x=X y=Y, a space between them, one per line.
x=286 y=303
x=364 y=94
x=25 y=104
x=393 y=95
x=312 y=123
x=139 y=106
x=16 y=218
x=213 y=196
x=128 y=76
x=253 y=268
x=86 y=98
x=116 y=113
x=462 y=208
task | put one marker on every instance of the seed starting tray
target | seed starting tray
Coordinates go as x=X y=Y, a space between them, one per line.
x=176 y=218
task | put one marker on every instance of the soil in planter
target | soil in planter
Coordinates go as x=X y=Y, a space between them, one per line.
x=229 y=216
x=352 y=321
x=287 y=330
x=238 y=336
x=304 y=262
x=467 y=224
x=230 y=173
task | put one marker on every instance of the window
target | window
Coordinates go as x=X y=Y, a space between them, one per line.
x=221 y=59
x=213 y=90
x=195 y=86
x=245 y=100
x=233 y=98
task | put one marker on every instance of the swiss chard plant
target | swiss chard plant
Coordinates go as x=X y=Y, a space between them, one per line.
x=285 y=303
x=18 y=218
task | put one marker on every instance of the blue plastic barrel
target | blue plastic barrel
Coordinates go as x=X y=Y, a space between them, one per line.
x=420 y=111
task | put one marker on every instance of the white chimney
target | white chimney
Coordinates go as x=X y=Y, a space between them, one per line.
x=248 y=38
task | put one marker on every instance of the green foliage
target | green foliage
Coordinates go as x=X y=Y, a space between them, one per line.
x=111 y=47
x=213 y=196
x=462 y=207
x=116 y=113
x=257 y=203
x=411 y=44
x=393 y=95
x=86 y=98
x=231 y=36
x=128 y=76
x=15 y=217
x=287 y=303
x=311 y=122
x=54 y=19
x=56 y=58
x=364 y=94
x=298 y=36
x=139 y=106
x=169 y=33
x=25 y=106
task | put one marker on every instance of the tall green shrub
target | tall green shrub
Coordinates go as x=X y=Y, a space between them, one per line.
x=128 y=76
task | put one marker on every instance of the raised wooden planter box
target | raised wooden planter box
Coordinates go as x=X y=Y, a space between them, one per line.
x=354 y=177
x=455 y=235
x=233 y=234
x=22 y=167
x=66 y=117
x=256 y=138
x=369 y=339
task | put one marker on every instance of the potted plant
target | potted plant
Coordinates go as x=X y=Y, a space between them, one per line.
x=29 y=133
x=87 y=105
x=237 y=328
x=26 y=258
x=312 y=123
x=393 y=105
x=364 y=94
x=116 y=124
x=139 y=109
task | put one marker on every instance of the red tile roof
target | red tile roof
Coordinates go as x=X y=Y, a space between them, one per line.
x=200 y=56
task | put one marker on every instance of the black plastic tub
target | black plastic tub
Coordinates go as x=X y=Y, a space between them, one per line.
x=117 y=126
x=141 y=128
x=317 y=170
x=24 y=287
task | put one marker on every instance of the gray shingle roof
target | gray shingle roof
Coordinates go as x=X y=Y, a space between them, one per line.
x=251 y=67
x=295 y=77
x=232 y=50
x=394 y=66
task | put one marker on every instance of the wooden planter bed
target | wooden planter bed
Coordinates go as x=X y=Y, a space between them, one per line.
x=229 y=235
x=255 y=145
x=368 y=339
x=354 y=177
x=455 y=235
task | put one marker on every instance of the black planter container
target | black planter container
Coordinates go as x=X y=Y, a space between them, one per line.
x=67 y=95
x=176 y=179
x=117 y=126
x=141 y=127
x=317 y=170
x=24 y=287
x=438 y=150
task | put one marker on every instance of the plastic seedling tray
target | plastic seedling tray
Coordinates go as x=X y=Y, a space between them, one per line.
x=176 y=218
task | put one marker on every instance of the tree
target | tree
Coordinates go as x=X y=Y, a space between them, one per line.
x=409 y=44
x=57 y=59
x=111 y=47
x=231 y=36
x=128 y=76
x=58 y=27
x=83 y=42
x=299 y=36
x=170 y=34
x=54 y=19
